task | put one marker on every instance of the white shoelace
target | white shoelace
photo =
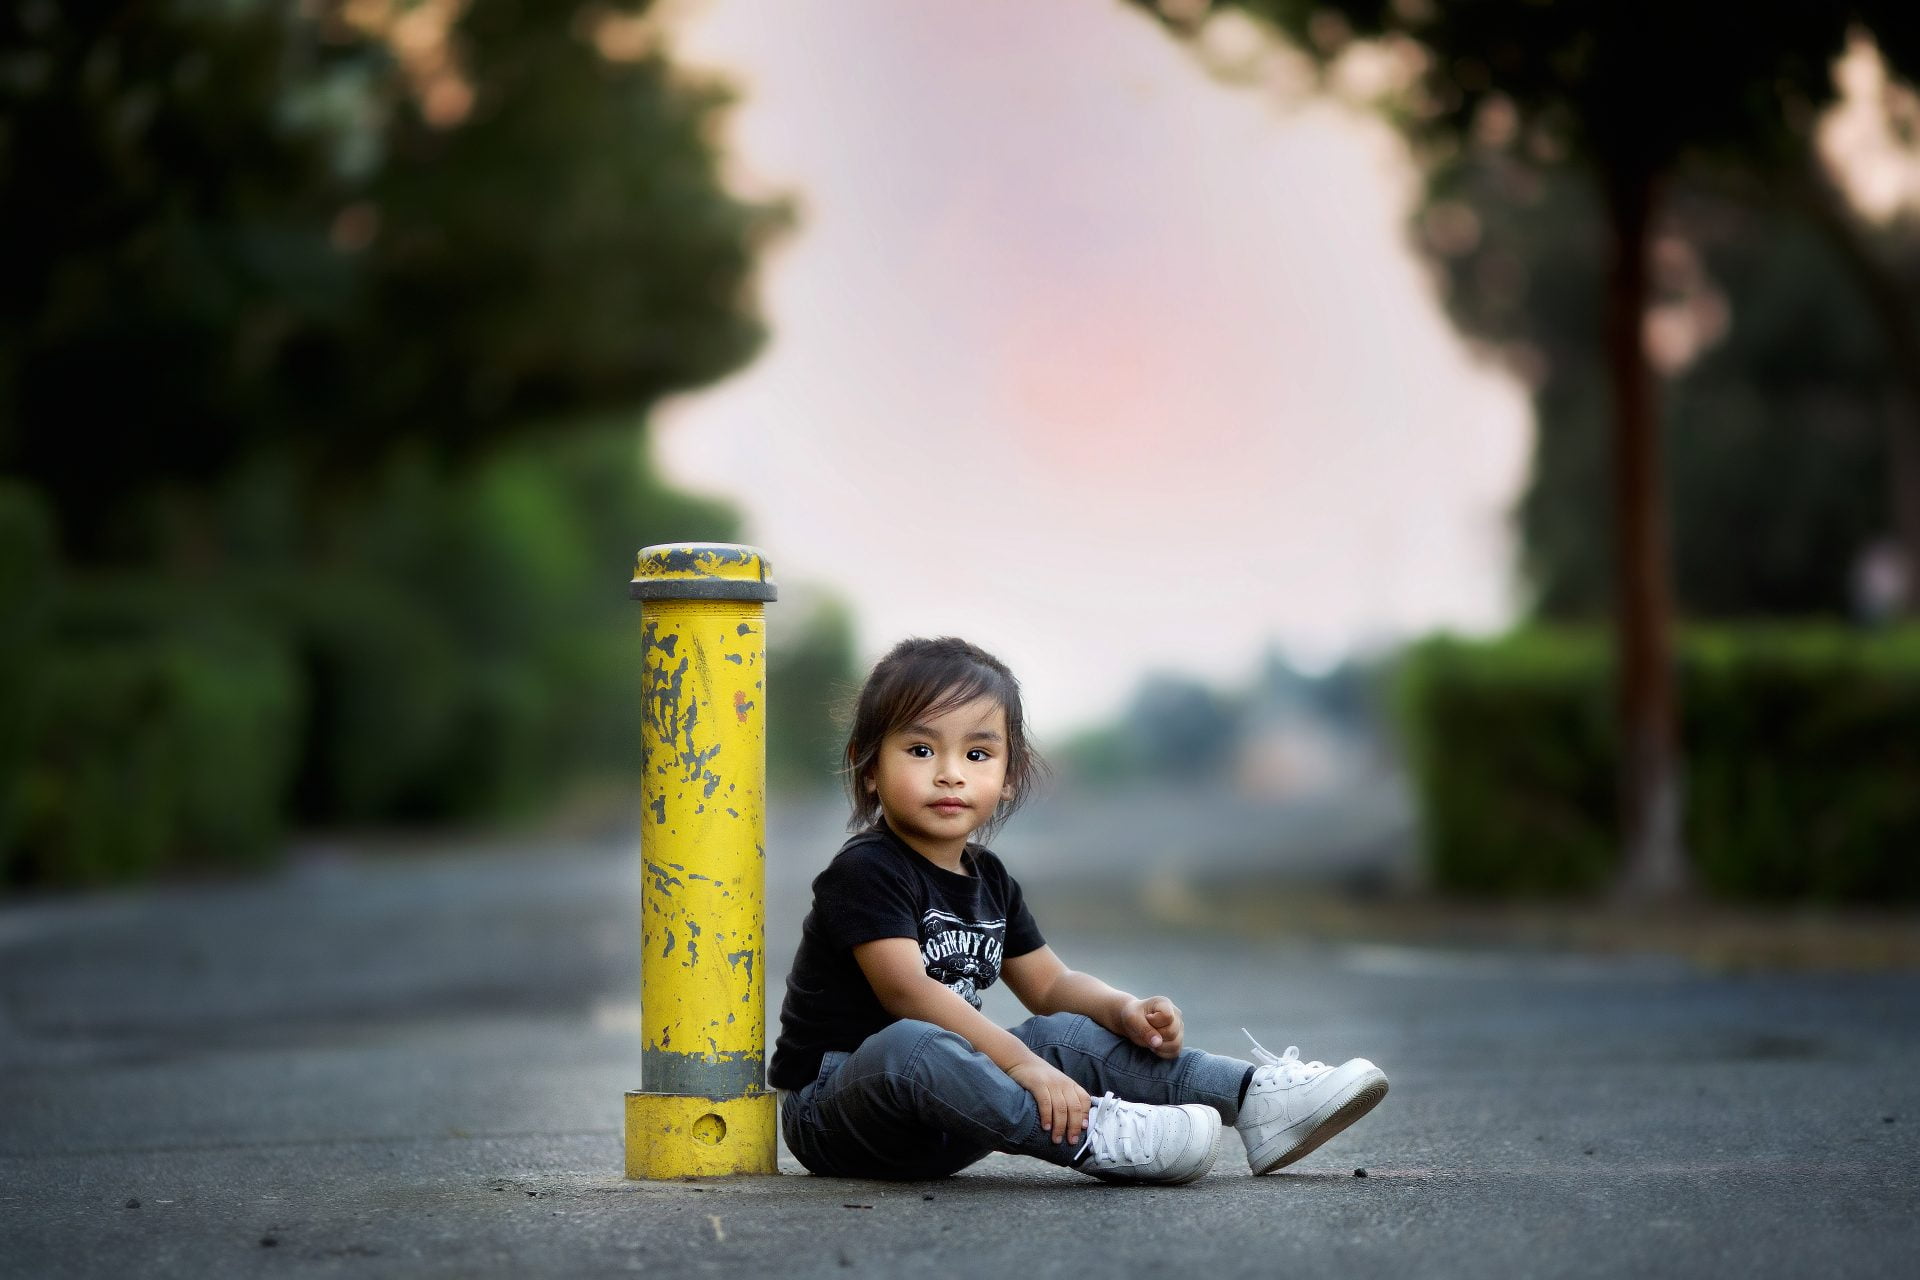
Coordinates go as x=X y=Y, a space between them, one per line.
x=1288 y=1064
x=1115 y=1132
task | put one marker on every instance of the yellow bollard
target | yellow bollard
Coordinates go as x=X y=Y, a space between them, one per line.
x=703 y=1109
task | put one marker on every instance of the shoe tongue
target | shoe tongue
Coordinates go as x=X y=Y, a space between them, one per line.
x=1294 y=1071
x=1121 y=1129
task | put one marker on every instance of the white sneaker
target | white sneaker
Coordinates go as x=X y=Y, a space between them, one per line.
x=1137 y=1142
x=1293 y=1106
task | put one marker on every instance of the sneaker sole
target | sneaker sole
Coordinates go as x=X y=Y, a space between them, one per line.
x=1362 y=1097
x=1200 y=1171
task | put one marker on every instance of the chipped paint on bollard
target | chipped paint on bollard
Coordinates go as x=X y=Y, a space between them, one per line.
x=703 y=1109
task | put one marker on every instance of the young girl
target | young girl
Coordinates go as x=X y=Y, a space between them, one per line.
x=886 y=1066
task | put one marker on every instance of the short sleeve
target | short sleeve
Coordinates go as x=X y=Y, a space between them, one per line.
x=864 y=895
x=1023 y=931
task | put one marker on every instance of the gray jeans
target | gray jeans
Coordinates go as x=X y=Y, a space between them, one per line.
x=917 y=1101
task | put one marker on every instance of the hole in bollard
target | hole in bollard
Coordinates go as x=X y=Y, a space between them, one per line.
x=710 y=1129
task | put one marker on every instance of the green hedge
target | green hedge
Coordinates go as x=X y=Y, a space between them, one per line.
x=144 y=735
x=386 y=684
x=27 y=576
x=1802 y=750
x=440 y=643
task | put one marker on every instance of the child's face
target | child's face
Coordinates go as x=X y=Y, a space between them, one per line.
x=941 y=778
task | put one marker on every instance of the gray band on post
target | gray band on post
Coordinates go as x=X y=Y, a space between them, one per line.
x=699 y=1075
x=702 y=589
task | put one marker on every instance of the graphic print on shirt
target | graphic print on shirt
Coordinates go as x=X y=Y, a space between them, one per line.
x=962 y=955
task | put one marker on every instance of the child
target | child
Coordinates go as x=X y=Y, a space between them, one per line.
x=886 y=1066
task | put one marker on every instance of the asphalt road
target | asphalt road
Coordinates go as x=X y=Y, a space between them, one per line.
x=414 y=1067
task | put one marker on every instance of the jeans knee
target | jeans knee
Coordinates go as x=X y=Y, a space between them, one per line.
x=1068 y=1030
x=1063 y=1026
x=906 y=1042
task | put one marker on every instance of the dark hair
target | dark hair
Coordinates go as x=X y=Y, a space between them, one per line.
x=928 y=677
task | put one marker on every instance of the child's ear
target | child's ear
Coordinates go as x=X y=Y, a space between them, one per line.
x=872 y=786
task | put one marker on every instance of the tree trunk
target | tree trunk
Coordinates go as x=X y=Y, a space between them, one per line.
x=1655 y=866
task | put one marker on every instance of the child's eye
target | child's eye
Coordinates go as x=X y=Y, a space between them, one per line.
x=920 y=749
x=978 y=754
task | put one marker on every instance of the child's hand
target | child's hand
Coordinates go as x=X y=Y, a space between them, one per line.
x=1153 y=1023
x=1063 y=1104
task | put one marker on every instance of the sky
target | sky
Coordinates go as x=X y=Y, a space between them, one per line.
x=1088 y=355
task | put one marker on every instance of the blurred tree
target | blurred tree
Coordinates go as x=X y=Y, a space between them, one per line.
x=1174 y=727
x=1778 y=383
x=330 y=229
x=812 y=678
x=328 y=333
x=1620 y=91
x=1181 y=728
x=467 y=632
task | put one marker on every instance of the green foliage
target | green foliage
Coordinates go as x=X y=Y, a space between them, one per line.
x=27 y=571
x=159 y=731
x=27 y=577
x=1776 y=436
x=464 y=650
x=1176 y=728
x=811 y=681
x=469 y=645
x=566 y=248
x=1536 y=123
x=1807 y=785
x=1102 y=755
x=1513 y=752
x=1173 y=727
x=229 y=229
x=1629 y=95
x=385 y=677
x=1608 y=82
x=1800 y=777
x=321 y=407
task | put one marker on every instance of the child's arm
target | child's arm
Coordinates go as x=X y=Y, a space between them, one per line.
x=898 y=976
x=1045 y=985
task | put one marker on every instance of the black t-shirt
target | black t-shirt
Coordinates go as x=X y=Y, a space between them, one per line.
x=877 y=887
